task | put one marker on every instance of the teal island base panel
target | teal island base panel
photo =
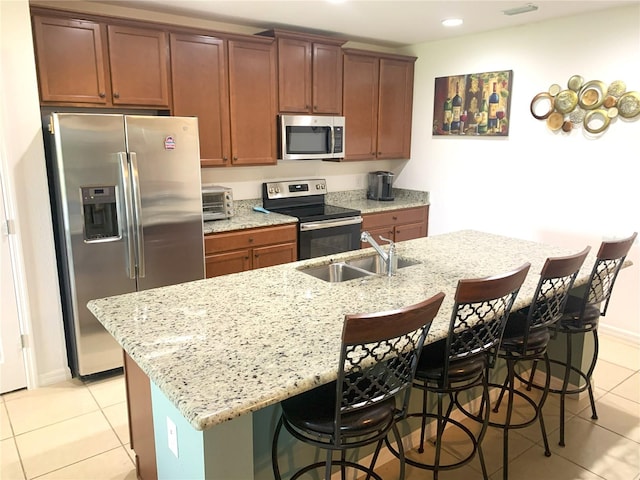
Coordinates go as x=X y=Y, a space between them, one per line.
x=239 y=449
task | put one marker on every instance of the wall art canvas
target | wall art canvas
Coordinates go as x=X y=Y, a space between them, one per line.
x=473 y=105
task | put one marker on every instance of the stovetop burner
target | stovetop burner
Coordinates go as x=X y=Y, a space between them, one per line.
x=304 y=199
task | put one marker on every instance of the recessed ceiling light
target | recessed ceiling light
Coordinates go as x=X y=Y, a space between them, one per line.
x=452 y=22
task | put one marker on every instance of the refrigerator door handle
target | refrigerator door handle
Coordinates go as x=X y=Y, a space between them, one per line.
x=128 y=210
x=137 y=206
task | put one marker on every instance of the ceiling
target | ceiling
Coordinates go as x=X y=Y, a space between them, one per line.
x=379 y=22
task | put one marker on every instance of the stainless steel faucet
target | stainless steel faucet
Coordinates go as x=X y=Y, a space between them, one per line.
x=389 y=258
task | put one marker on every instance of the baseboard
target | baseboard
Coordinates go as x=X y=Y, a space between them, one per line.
x=54 y=376
x=623 y=336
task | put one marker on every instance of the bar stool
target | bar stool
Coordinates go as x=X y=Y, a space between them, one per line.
x=462 y=360
x=378 y=359
x=526 y=337
x=581 y=315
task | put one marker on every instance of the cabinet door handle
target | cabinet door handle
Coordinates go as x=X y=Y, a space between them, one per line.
x=224 y=159
x=235 y=159
x=116 y=95
x=102 y=94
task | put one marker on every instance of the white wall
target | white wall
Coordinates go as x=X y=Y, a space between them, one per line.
x=26 y=177
x=568 y=189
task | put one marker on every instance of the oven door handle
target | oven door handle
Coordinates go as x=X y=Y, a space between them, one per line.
x=322 y=224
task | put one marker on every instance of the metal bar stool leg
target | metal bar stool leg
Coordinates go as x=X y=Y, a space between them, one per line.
x=533 y=374
x=507 y=422
x=565 y=386
x=485 y=423
x=423 y=424
x=596 y=346
x=543 y=399
x=439 y=434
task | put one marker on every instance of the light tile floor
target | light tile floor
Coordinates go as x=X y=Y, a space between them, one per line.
x=78 y=430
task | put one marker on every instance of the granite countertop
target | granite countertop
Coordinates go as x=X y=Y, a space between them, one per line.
x=246 y=217
x=226 y=346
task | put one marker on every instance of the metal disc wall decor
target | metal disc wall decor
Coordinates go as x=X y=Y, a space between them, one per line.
x=592 y=105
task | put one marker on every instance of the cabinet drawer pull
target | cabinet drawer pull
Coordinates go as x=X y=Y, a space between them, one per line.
x=250 y=240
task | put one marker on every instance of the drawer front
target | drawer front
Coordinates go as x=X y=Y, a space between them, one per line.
x=221 y=242
x=395 y=217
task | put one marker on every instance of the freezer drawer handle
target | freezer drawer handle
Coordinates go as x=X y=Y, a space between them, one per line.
x=138 y=213
x=128 y=210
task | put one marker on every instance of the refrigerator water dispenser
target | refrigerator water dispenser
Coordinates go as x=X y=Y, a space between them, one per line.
x=100 y=213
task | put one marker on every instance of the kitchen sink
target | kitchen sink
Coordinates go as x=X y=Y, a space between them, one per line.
x=374 y=264
x=353 y=268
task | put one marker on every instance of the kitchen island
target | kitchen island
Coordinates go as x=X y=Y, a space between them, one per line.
x=222 y=353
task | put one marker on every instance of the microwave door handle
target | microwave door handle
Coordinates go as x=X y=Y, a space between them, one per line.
x=333 y=140
x=137 y=206
x=128 y=214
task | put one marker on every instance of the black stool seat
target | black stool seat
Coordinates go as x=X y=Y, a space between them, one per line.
x=513 y=340
x=576 y=319
x=431 y=365
x=315 y=410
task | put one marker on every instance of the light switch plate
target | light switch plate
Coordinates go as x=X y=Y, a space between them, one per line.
x=172 y=436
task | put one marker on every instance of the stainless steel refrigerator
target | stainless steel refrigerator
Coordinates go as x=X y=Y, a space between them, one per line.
x=127 y=209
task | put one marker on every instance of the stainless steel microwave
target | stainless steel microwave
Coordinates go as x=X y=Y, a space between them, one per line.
x=311 y=137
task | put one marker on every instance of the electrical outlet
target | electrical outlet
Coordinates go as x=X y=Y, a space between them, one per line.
x=172 y=436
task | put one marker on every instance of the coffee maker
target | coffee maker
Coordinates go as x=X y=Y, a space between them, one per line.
x=380 y=186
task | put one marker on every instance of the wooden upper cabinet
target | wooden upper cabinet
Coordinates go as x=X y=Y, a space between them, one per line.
x=309 y=73
x=252 y=101
x=377 y=104
x=70 y=61
x=327 y=78
x=360 y=104
x=87 y=63
x=200 y=88
x=395 y=108
x=139 y=62
x=294 y=75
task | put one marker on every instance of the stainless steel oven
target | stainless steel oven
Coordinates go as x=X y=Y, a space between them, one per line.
x=322 y=229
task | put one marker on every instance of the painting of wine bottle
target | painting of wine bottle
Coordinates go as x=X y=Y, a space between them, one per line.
x=473 y=105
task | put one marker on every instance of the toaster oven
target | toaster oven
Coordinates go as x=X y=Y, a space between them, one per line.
x=217 y=202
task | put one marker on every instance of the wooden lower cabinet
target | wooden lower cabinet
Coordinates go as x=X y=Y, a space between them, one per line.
x=397 y=225
x=141 y=432
x=241 y=250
